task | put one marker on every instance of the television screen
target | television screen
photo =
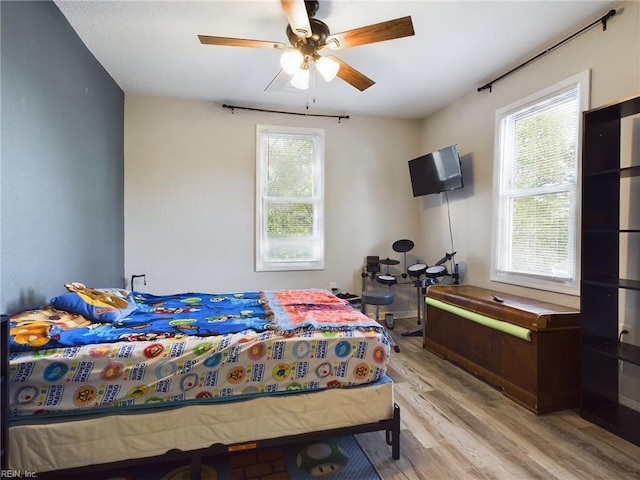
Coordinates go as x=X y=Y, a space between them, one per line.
x=436 y=172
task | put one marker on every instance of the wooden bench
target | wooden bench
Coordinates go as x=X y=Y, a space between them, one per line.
x=527 y=348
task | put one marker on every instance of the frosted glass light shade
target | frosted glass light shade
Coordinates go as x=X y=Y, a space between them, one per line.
x=291 y=61
x=300 y=79
x=328 y=68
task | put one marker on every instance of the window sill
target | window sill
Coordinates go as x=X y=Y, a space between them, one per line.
x=537 y=284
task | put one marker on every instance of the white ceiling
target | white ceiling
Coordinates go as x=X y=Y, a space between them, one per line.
x=152 y=48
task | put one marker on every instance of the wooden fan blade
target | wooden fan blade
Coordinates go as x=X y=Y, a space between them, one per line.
x=379 y=32
x=352 y=76
x=296 y=13
x=239 y=42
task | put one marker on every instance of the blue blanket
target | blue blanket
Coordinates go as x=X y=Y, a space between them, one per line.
x=156 y=317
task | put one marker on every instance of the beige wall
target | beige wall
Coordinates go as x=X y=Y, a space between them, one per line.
x=189 y=182
x=189 y=178
x=189 y=196
x=613 y=56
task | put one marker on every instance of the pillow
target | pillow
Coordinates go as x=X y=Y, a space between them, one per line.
x=36 y=328
x=104 y=305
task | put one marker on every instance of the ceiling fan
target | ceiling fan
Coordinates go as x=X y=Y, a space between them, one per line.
x=309 y=37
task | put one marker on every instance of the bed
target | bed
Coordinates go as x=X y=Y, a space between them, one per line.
x=104 y=376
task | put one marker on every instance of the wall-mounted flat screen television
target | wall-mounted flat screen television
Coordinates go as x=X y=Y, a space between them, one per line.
x=436 y=172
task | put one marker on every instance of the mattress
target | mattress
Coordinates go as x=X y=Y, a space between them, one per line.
x=75 y=441
x=137 y=375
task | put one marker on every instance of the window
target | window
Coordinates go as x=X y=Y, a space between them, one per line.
x=289 y=199
x=536 y=188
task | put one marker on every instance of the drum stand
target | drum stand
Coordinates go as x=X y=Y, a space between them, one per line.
x=432 y=276
x=421 y=288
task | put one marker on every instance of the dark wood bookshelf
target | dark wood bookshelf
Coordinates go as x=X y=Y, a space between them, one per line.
x=618 y=419
x=620 y=350
x=615 y=282
x=602 y=351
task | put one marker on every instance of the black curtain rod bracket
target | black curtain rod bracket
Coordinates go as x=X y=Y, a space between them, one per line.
x=236 y=107
x=603 y=20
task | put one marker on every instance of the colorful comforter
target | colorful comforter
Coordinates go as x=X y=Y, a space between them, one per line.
x=187 y=314
x=194 y=348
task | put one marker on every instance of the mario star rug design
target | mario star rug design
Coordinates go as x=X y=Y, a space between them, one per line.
x=339 y=458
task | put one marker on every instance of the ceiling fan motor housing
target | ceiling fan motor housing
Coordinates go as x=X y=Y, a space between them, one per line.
x=309 y=45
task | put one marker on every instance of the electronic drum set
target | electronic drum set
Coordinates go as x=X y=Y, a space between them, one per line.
x=421 y=274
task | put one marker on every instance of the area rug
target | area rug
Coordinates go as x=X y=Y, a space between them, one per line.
x=339 y=458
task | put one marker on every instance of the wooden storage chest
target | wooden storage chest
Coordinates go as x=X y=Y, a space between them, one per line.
x=527 y=348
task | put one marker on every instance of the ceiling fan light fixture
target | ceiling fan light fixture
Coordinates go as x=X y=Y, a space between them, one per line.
x=328 y=68
x=291 y=61
x=333 y=43
x=300 y=79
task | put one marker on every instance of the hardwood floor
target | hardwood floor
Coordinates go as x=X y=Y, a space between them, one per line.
x=455 y=426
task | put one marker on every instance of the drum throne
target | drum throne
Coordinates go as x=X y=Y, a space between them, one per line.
x=383 y=296
x=378 y=296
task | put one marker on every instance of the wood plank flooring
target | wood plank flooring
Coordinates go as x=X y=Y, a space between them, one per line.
x=455 y=426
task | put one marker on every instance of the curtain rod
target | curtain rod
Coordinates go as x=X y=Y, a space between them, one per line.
x=602 y=20
x=234 y=107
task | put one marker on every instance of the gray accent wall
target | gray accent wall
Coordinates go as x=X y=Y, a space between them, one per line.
x=62 y=164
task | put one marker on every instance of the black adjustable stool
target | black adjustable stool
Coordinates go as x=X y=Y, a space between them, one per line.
x=377 y=298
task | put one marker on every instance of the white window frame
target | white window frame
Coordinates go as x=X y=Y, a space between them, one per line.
x=262 y=263
x=502 y=193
